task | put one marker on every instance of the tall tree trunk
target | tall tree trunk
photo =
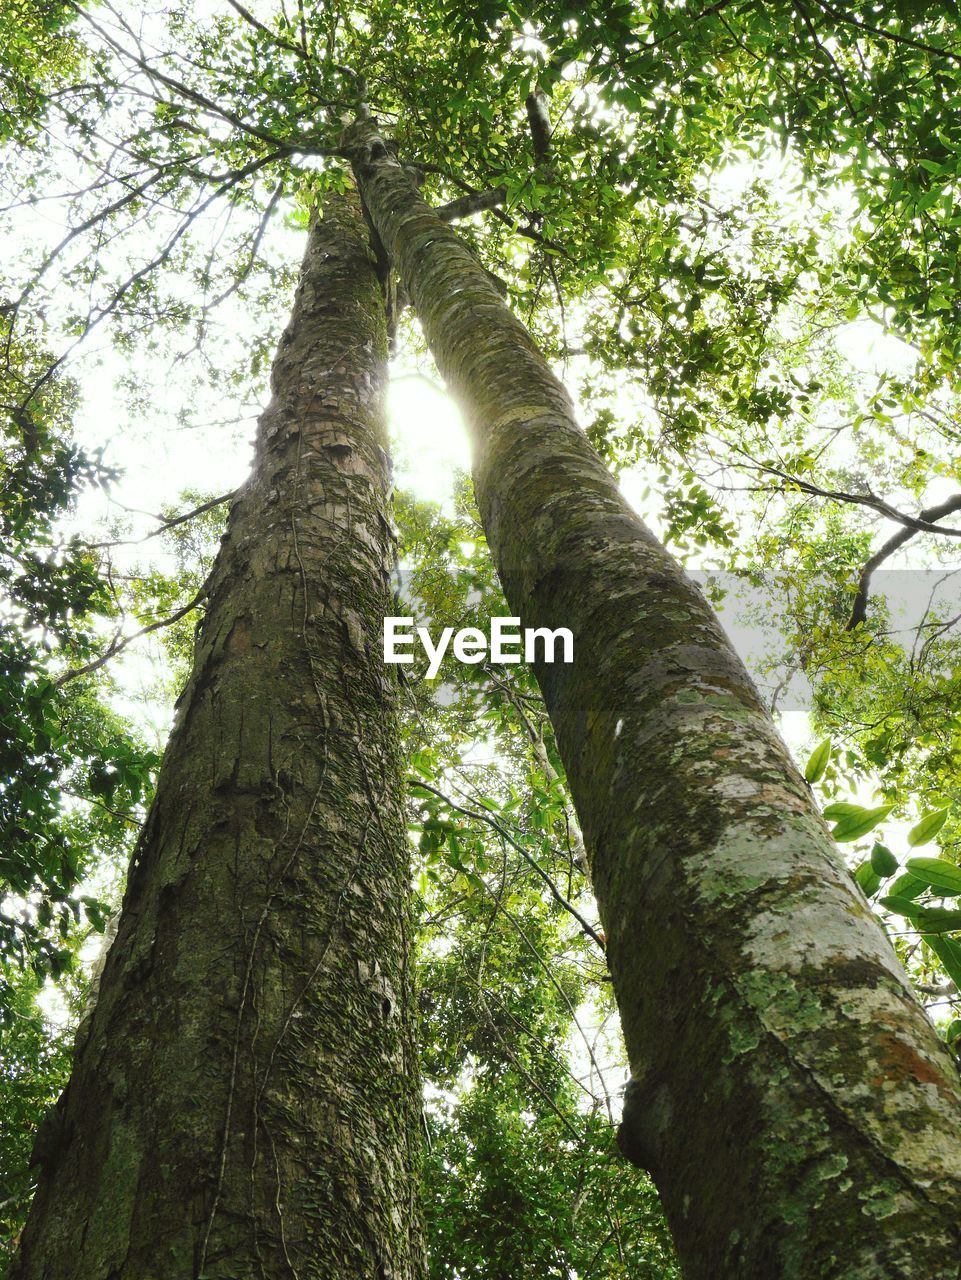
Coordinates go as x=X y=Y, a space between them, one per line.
x=245 y=1099
x=796 y=1109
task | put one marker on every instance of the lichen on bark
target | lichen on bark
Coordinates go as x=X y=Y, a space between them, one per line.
x=796 y=1109
x=245 y=1099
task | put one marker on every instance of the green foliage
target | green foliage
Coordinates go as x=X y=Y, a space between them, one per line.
x=856 y=821
x=522 y=1175
x=883 y=861
x=34 y=1065
x=928 y=827
x=71 y=776
x=36 y=52
x=511 y=1194
x=931 y=940
x=937 y=873
x=818 y=762
x=948 y=951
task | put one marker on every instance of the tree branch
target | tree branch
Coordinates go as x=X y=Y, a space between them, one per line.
x=96 y=317
x=272 y=35
x=186 y=92
x=539 y=121
x=916 y=523
x=535 y=866
x=164 y=524
x=529 y=233
x=847 y=20
x=118 y=645
x=929 y=515
x=477 y=202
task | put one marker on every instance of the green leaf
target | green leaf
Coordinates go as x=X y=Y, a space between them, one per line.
x=927 y=828
x=868 y=879
x=949 y=953
x=818 y=761
x=900 y=906
x=841 y=809
x=424 y=762
x=938 y=873
x=883 y=861
x=95 y=913
x=859 y=822
x=938 y=920
x=907 y=886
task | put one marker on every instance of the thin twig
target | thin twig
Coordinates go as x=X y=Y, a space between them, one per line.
x=492 y=822
x=118 y=645
x=164 y=524
x=929 y=516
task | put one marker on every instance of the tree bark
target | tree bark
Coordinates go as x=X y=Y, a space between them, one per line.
x=792 y=1100
x=245 y=1098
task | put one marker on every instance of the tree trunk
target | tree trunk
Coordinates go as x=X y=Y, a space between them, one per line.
x=245 y=1098
x=796 y=1109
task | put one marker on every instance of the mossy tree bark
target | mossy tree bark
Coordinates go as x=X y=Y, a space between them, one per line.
x=245 y=1098
x=790 y=1097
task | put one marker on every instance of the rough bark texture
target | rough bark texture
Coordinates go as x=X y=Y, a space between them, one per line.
x=797 y=1111
x=245 y=1097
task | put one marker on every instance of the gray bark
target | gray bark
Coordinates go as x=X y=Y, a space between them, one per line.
x=245 y=1099
x=793 y=1102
